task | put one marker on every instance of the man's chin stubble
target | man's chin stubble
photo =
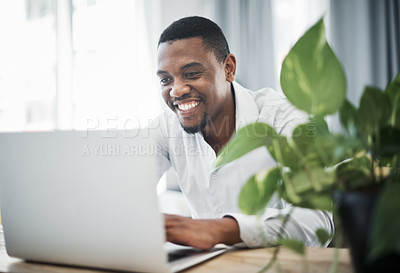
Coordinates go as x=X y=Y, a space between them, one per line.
x=195 y=129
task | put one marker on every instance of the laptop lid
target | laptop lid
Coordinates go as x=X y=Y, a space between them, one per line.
x=82 y=198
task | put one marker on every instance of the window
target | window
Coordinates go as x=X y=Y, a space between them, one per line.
x=27 y=65
x=291 y=18
x=113 y=81
x=75 y=64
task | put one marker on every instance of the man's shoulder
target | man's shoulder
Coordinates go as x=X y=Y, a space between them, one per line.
x=274 y=109
x=268 y=97
x=267 y=100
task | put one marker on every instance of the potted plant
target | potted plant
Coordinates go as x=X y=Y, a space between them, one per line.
x=319 y=169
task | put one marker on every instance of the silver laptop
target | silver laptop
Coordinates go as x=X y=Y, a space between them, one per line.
x=86 y=199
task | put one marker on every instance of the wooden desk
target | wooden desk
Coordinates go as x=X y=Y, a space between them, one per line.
x=237 y=261
x=252 y=260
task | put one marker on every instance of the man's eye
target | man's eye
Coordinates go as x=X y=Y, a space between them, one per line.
x=164 y=81
x=192 y=74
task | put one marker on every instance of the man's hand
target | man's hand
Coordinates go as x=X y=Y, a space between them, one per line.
x=203 y=234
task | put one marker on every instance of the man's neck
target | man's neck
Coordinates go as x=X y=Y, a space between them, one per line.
x=217 y=133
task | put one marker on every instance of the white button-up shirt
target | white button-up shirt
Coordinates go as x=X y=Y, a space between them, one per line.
x=214 y=193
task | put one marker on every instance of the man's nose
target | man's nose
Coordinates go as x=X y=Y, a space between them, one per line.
x=179 y=89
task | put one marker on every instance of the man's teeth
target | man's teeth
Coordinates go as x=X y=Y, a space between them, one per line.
x=188 y=106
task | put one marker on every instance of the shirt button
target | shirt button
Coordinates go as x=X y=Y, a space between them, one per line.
x=219 y=210
x=213 y=176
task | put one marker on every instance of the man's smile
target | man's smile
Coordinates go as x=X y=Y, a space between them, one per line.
x=187 y=107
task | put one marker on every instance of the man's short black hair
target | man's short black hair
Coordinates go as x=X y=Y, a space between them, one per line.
x=195 y=26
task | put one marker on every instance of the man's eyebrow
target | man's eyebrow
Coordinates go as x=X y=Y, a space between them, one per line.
x=160 y=72
x=191 y=65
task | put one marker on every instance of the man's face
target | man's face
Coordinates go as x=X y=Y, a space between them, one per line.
x=193 y=82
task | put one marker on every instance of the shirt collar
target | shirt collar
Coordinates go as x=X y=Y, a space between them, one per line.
x=246 y=107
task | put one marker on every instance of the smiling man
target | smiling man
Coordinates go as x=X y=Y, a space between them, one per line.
x=196 y=72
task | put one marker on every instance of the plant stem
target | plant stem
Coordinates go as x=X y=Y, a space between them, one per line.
x=394 y=111
x=395 y=168
x=271 y=262
x=380 y=174
x=338 y=242
x=261 y=230
x=335 y=263
x=372 y=160
x=277 y=248
x=322 y=153
x=305 y=264
x=288 y=184
x=278 y=267
x=293 y=197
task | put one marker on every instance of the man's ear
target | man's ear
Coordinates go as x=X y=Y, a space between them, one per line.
x=230 y=67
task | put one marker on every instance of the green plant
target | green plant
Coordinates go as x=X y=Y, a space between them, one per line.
x=313 y=162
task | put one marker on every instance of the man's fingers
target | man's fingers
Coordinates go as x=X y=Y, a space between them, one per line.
x=175 y=220
x=177 y=235
x=181 y=230
x=202 y=234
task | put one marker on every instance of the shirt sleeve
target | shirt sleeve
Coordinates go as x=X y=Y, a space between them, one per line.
x=261 y=231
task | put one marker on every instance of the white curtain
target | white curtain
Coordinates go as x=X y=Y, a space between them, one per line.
x=247 y=26
x=366 y=38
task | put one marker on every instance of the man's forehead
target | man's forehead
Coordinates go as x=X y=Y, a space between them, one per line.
x=182 y=46
x=184 y=51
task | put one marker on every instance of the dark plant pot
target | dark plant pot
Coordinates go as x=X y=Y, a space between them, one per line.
x=355 y=213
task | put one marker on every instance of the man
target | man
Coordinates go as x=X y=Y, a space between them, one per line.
x=196 y=73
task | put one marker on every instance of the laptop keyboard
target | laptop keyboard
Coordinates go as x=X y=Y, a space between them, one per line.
x=183 y=253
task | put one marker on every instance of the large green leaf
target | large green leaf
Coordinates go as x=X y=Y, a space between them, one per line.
x=388 y=145
x=312 y=77
x=313 y=200
x=323 y=236
x=374 y=111
x=284 y=154
x=258 y=190
x=347 y=115
x=314 y=145
x=293 y=244
x=316 y=178
x=385 y=236
x=248 y=138
x=393 y=90
x=304 y=134
x=309 y=189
